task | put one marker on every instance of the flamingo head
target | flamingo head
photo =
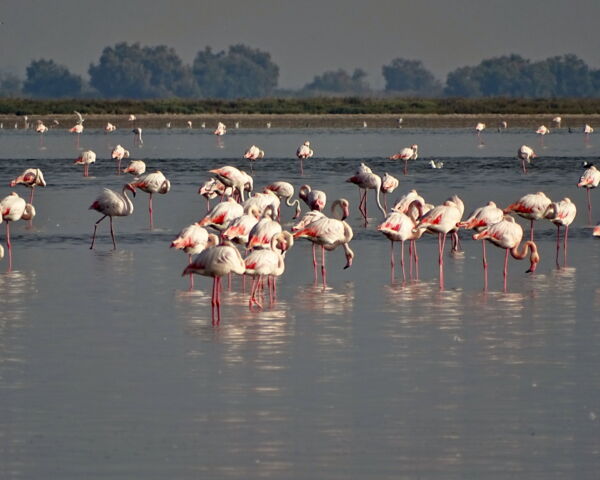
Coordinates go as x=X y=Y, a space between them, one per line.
x=349 y=257
x=534 y=259
x=130 y=187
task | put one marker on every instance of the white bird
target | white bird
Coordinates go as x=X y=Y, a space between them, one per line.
x=109 y=127
x=406 y=154
x=80 y=118
x=525 y=154
x=137 y=131
x=542 y=130
x=136 y=168
x=152 y=183
x=285 y=190
x=587 y=129
x=436 y=164
x=221 y=129
x=119 y=153
x=13 y=208
x=193 y=239
x=303 y=152
x=557 y=121
x=86 y=159
x=112 y=204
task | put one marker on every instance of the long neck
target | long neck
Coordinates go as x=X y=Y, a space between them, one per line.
x=523 y=253
x=377 y=190
x=128 y=202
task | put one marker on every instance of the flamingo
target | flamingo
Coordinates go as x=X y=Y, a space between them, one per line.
x=193 y=239
x=329 y=233
x=136 y=168
x=137 y=131
x=118 y=154
x=222 y=214
x=214 y=188
x=13 y=208
x=31 y=178
x=215 y=262
x=131 y=118
x=263 y=201
x=236 y=179
x=531 y=206
x=596 y=231
x=265 y=229
x=403 y=204
x=86 y=158
x=587 y=129
x=303 y=152
x=239 y=229
x=561 y=214
x=189 y=124
x=41 y=129
x=399 y=227
x=525 y=154
x=480 y=127
x=221 y=129
x=109 y=127
x=285 y=190
x=436 y=164
x=152 y=183
x=112 y=204
x=508 y=234
x=77 y=129
x=406 y=154
x=557 y=120
x=479 y=220
x=268 y=262
x=315 y=199
x=503 y=125
x=253 y=154
x=441 y=219
x=366 y=180
x=590 y=179
x=389 y=183
x=542 y=131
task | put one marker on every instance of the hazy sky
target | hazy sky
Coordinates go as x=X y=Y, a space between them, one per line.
x=304 y=37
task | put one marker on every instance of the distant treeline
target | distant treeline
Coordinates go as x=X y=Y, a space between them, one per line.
x=133 y=71
x=321 y=105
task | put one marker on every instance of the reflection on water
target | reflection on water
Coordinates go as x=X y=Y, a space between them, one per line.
x=330 y=300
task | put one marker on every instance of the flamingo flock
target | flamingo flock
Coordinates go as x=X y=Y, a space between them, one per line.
x=251 y=220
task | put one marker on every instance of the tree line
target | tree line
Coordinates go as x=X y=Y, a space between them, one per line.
x=133 y=71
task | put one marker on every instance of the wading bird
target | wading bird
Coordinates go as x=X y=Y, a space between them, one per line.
x=112 y=204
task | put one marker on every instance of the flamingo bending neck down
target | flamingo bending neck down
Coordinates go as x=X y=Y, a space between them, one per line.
x=13 y=208
x=31 y=178
x=561 y=214
x=365 y=179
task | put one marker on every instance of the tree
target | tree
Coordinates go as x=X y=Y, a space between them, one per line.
x=10 y=85
x=46 y=79
x=133 y=71
x=403 y=75
x=339 y=82
x=242 y=72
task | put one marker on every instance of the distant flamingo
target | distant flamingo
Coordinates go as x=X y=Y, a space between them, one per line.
x=31 y=178
x=315 y=199
x=77 y=129
x=221 y=129
x=406 y=154
x=86 y=159
x=590 y=179
x=480 y=127
x=525 y=154
x=189 y=124
x=232 y=177
x=265 y=229
x=557 y=121
x=215 y=262
x=479 y=220
x=329 y=233
x=13 y=208
x=542 y=131
x=285 y=190
x=508 y=234
x=389 y=183
x=152 y=183
x=118 y=154
x=561 y=214
x=366 y=180
x=214 y=188
x=193 y=239
x=303 y=152
x=268 y=262
x=441 y=219
x=137 y=139
x=254 y=153
x=109 y=128
x=135 y=168
x=531 y=206
x=41 y=129
x=587 y=129
x=222 y=214
x=112 y=204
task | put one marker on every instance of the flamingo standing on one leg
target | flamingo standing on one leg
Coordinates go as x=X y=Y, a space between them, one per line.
x=531 y=206
x=31 y=178
x=508 y=234
x=118 y=154
x=215 y=262
x=542 y=131
x=406 y=154
x=479 y=220
x=135 y=168
x=112 y=204
x=86 y=159
x=137 y=139
x=561 y=214
x=13 y=208
x=152 y=183
x=236 y=179
x=590 y=179
x=480 y=127
x=254 y=153
x=303 y=152
x=525 y=154
x=365 y=180
x=315 y=199
x=109 y=128
x=193 y=239
x=389 y=183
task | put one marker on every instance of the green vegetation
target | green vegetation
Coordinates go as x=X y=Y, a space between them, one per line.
x=316 y=106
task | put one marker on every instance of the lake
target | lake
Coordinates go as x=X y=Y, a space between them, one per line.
x=111 y=368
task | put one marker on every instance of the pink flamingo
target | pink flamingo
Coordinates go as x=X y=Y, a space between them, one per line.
x=525 y=154
x=254 y=153
x=389 y=183
x=531 y=206
x=365 y=179
x=596 y=231
x=112 y=204
x=222 y=214
x=135 y=168
x=303 y=152
x=404 y=203
x=31 y=178
x=137 y=138
x=561 y=214
x=215 y=262
x=214 y=188
x=239 y=229
x=118 y=154
x=221 y=129
x=78 y=129
x=236 y=179
x=109 y=128
x=315 y=199
x=41 y=129
x=441 y=220
x=508 y=234
x=86 y=159
x=152 y=183
x=480 y=127
x=285 y=190
x=329 y=233
x=268 y=262
x=265 y=229
x=262 y=201
x=479 y=220
x=13 y=208
x=193 y=239
x=542 y=131
x=590 y=179
x=406 y=154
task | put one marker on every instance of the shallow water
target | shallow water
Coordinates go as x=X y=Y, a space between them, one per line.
x=110 y=368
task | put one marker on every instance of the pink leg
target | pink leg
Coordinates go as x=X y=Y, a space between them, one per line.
x=323 y=269
x=531 y=232
x=9 y=246
x=301 y=167
x=93 y=236
x=565 y=245
x=213 y=300
x=441 y=244
x=402 y=261
x=505 y=273
x=416 y=259
x=392 y=263
x=112 y=233
x=410 y=259
x=31 y=195
x=485 y=267
x=589 y=206
x=218 y=300
x=405 y=167
x=314 y=252
x=524 y=167
x=150 y=210
x=191 y=274
x=557 y=244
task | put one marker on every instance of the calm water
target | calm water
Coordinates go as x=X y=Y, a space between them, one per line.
x=110 y=368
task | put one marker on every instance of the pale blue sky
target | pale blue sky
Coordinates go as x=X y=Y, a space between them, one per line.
x=304 y=37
